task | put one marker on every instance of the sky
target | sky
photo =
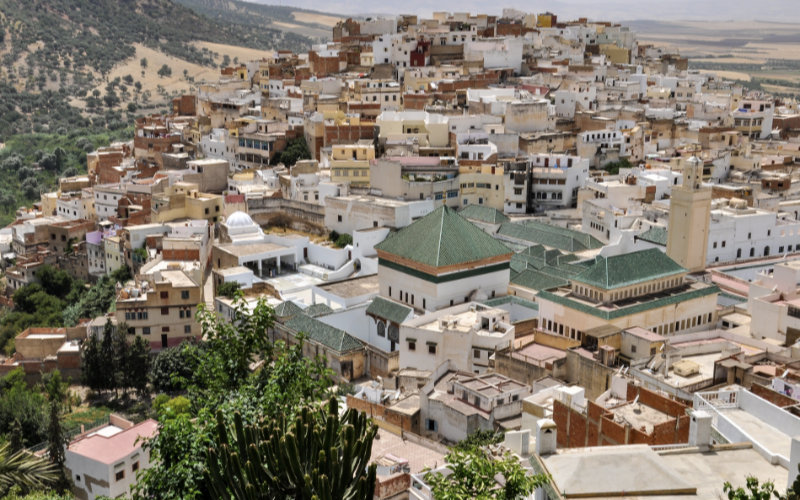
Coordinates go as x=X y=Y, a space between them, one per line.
x=612 y=10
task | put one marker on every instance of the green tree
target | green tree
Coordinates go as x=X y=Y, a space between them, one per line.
x=173 y=368
x=56 y=439
x=120 y=359
x=92 y=373
x=21 y=409
x=164 y=70
x=107 y=358
x=317 y=455
x=24 y=470
x=474 y=475
x=752 y=491
x=137 y=366
x=143 y=62
x=228 y=289
x=232 y=346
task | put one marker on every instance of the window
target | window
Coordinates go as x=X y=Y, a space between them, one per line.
x=164 y=295
x=187 y=328
x=120 y=475
x=164 y=311
x=184 y=294
x=381 y=329
x=164 y=329
x=135 y=466
x=412 y=346
x=431 y=348
x=633 y=348
x=146 y=330
x=430 y=425
x=339 y=218
x=476 y=353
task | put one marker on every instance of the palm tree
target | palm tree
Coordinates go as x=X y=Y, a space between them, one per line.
x=25 y=470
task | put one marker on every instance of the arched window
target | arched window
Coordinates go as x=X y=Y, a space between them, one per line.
x=381 y=329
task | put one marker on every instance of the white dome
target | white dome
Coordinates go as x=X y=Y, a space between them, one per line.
x=239 y=219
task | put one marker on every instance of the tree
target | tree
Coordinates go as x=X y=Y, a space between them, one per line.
x=143 y=62
x=24 y=470
x=474 y=475
x=120 y=359
x=754 y=491
x=296 y=150
x=228 y=289
x=21 y=409
x=172 y=369
x=56 y=439
x=92 y=364
x=164 y=70
x=318 y=455
x=107 y=372
x=232 y=346
x=137 y=366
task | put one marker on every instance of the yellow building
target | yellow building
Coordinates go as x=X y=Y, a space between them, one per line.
x=349 y=163
x=162 y=309
x=645 y=289
x=482 y=185
x=689 y=216
x=546 y=20
x=183 y=201
x=614 y=54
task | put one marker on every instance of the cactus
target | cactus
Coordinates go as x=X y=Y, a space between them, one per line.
x=318 y=455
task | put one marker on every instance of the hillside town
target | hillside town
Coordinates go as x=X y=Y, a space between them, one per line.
x=523 y=225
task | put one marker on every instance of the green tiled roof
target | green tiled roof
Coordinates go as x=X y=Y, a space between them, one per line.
x=389 y=310
x=537 y=280
x=511 y=299
x=559 y=238
x=315 y=310
x=442 y=238
x=485 y=214
x=631 y=309
x=286 y=309
x=656 y=235
x=628 y=269
x=329 y=336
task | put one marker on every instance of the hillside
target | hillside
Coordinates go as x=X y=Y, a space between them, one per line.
x=310 y=23
x=72 y=51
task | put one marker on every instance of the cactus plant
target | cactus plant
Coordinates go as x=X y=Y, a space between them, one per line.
x=318 y=455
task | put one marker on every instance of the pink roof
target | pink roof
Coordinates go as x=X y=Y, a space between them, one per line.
x=234 y=198
x=109 y=450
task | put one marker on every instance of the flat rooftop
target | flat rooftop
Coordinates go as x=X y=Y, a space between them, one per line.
x=355 y=287
x=251 y=249
x=606 y=472
x=109 y=445
x=771 y=438
x=395 y=448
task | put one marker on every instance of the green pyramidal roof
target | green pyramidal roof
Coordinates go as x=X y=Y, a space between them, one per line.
x=628 y=269
x=484 y=214
x=442 y=238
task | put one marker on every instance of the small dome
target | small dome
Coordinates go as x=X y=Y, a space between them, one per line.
x=238 y=219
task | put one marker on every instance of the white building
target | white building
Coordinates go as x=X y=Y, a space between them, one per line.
x=105 y=461
x=442 y=260
x=738 y=232
x=467 y=335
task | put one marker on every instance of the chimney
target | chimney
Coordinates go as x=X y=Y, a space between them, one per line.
x=700 y=429
x=545 y=436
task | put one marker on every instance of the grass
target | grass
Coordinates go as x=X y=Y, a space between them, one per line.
x=85 y=416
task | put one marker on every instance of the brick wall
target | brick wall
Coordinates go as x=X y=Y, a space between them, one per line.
x=404 y=422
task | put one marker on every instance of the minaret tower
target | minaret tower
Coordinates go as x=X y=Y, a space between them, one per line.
x=689 y=217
